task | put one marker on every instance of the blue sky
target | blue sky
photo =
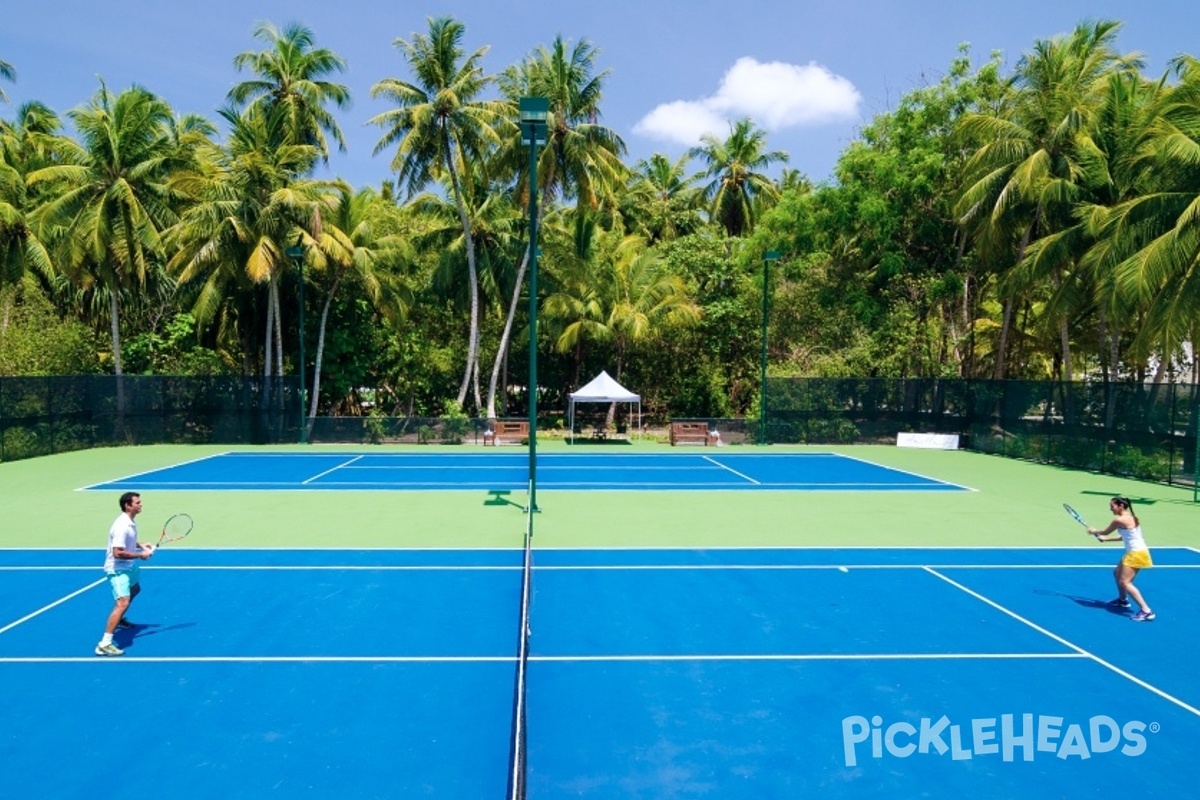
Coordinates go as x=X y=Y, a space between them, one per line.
x=810 y=73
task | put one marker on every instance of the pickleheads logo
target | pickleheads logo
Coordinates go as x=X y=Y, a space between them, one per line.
x=1010 y=736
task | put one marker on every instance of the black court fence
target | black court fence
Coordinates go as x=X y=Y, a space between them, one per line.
x=374 y=429
x=1139 y=430
x=44 y=415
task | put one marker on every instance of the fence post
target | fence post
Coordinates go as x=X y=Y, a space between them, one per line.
x=1194 y=425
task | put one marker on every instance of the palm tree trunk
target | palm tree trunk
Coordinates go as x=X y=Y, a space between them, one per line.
x=1065 y=337
x=1001 y=350
x=316 y=387
x=502 y=352
x=114 y=321
x=278 y=330
x=1102 y=324
x=114 y=318
x=473 y=338
x=1063 y=333
x=1002 y=345
x=268 y=353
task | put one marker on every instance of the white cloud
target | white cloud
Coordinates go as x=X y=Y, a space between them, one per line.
x=775 y=95
x=681 y=121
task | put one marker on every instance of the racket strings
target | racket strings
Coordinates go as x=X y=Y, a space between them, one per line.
x=177 y=527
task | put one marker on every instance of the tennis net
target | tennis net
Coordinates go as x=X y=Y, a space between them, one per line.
x=517 y=775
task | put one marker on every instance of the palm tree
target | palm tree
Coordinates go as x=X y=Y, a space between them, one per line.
x=26 y=145
x=581 y=158
x=611 y=288
x=1023 y=176
x=9 y=74
x=662 y=201
x=439 y=125
x=736 y=182
x=291 y=74
x=247 y=207
x=349 y=247
x=112 y=199
x=1083 y=254
x=498 y=226
x=1158 y=232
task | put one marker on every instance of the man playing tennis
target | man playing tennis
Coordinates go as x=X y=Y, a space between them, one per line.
x=1137 y=555
x=120 y=565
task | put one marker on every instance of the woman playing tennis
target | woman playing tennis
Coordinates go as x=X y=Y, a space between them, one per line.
x=1137 y=555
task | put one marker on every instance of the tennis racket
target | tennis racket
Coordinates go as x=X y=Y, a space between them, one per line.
x=1075 y=515
x=177 y=527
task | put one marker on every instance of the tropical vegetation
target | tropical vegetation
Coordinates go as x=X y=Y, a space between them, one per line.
x=1040 y=223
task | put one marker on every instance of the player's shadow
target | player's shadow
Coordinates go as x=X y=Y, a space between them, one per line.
x=125 y=637
x=1087 y=602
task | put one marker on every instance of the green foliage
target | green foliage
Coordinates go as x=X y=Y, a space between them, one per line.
x=174 y=350
x=34 y=340
x=985 y=223
x=455 y=423
x=1153 y=465
x=375 y=426
x=425 y=434
x=20 y=443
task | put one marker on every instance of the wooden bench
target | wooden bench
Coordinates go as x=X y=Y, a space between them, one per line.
x=504 y=432
x=689 y=433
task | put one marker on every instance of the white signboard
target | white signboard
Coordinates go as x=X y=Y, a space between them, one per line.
x=934 y=441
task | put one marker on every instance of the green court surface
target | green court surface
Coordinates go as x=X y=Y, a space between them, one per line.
x=1013 y=504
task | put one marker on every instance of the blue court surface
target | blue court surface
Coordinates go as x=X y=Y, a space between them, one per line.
x=658 y=673
x=510 y=471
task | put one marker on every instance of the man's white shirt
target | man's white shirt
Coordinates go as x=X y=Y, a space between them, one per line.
x=121 y=536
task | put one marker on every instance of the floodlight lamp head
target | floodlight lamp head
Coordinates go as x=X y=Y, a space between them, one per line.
x=298 y=249
x=534 y=110
x=534 y=116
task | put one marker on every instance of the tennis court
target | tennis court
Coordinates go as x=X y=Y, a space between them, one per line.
x=689 y=644
x=734 y=673
x=510 y=471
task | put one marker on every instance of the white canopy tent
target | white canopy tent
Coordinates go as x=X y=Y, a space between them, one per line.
x=603 y=389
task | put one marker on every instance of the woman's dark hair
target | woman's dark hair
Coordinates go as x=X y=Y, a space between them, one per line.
x=1127 y=504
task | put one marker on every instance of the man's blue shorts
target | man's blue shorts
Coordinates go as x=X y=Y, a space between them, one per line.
x=122 y=581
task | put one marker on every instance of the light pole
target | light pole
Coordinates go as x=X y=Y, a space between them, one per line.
x=534 y=112
x=768 y=257
x=296 y=252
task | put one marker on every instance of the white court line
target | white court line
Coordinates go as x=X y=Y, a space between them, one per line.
x=510 y=659
x=816 y=657
x=575 y=567
x=930 y=486
x=290 y=567
x=59 y=601
x=334 y=468
x=449 y=467
x=1065 y=643
x=905 y=472
x=148 y=472
x=128 y=659
x=265 y=548
x=638 y=548
x=848 y=566
x=711 y=460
